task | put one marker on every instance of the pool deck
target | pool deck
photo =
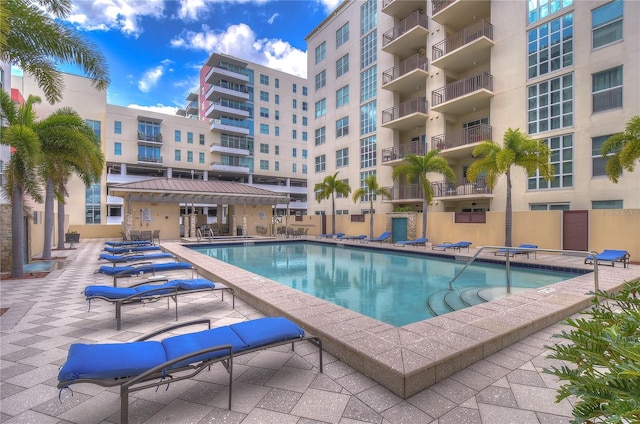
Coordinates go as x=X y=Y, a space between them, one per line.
x=480 y=365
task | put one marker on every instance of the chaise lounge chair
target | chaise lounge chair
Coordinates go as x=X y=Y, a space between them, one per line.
x=132 y=270
x=454 y=246
x=145 y=363
x=336 y=235
x=381 y=238
x=416 y=242
x=130 y=249
x=360 y=237
x=117 y=259
x=143 y=293
x=612 y=256
x=127 y=243
x=523 y=249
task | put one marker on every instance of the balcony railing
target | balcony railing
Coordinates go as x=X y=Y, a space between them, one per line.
x=438 y=5
x=150 y=137
x=417 y=18
x=465 y=36
x=461 y=88
x=466 y=188
x=461 y=137
x=398 y=152
x=417 y=61
x=406 y=192
x=150 y=159
x=418 y=105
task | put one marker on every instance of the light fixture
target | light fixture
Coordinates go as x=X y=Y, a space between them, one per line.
x=473 y=204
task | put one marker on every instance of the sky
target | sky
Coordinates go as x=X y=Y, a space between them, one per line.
x=155 y=48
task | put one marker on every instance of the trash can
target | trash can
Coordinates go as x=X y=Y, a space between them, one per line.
x=238 y=231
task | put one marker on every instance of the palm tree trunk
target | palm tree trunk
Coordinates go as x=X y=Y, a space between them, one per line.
x=17 y=235
x=508 y=215
x=333 y=214
x=371 y=218
x=60 y=225
x=424 y=218
x=48 y=219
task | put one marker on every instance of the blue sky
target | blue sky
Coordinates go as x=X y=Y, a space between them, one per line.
x=155 y=48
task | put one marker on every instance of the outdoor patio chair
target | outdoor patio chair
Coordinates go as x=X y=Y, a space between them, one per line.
x=146 y=363
x=611 y=256
x=143 y=293
x=416 y=242
x=126 y=243
x=454 y=246
x=360 y=237
x=337 y=235
x=381 y=238
x=155 y=237
x=128 y=249
x=118 y=259
x=141 y=268
x=523 y=249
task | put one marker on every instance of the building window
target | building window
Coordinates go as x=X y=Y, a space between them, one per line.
x=177 y=155
x=606 y=22
x=321 y=52
x=540 y=9
x=304 y=90
x=363 y=184
x=304 y=168
x=342 y=96
x=550 y=104
x=321 y=79
x=96 y=127
x=177 y=136
x=321 y=136
x=201 y=137
x=277 y=150
x=201 y=157
x=149 y=154
x=342 y=127
x=294 y=119
x=294 y=167
x=276 y=166
x=304 y=106
x=264 y=165
x=277 y=99
x=305 y=121
x=339 y=195
x=264 y=79
x=598 y=163
x=264 y=96
x=321 y=163
x=190 y=156
x=561 y=148
x=321 y=108
x=117 y=148
x=368 y=49
x=304 y=153
x=277 y=82
x=342 y=157
x=342 y=35
x=92 y=204
x=264 y=129
x=549 y=207
x=606 y=204
x=264 y=112
x=148 y=131
x=294 y=103
x=277 y=131
x=342 y=65
x=368 y=16
x=277 y=115
x=294 y=134
x=551 y=46
x=190 y=137
x=264 y=148
x=294 y=152
x=368 y=118
x=368 y=83
x=117 y=127
x=607 y=89
x=368 y=152
x=295 y=87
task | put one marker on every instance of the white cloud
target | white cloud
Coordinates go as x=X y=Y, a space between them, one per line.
x=273 y=18
x=122 y=15
x=150 y=78
x=191 y=9
x=241 y=41
x=330 y=5
x=160 y=108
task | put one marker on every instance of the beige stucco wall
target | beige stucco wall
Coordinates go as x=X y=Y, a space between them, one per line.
x=615 y=229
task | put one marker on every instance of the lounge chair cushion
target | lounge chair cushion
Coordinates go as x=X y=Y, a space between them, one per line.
x=124 y=292
x=134 y=258
x=109 y=292
x=184 y=344
x=117 y=250
x=143 y=269
x=263 y=331
x=193 y=284
x=100 y=361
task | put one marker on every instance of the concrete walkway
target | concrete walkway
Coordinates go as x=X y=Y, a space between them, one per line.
x=42 y=317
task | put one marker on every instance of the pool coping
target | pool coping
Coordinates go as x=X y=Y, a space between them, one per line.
x=409 y=359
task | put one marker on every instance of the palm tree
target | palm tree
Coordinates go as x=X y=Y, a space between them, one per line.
x=330 y=186
x=69 y=146
x=371 y=188
x=519 y=149
x=32 y=38
x=414 y=167
x=22 y=179
x=623 y=149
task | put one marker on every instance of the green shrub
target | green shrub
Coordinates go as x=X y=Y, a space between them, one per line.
x=403 y=209
x=603 y=350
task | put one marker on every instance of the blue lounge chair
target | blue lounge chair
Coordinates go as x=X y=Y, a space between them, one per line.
x=130 y=249
x=381 y=238
x=612 y=256
x=116 y=259
x=145 y=363
x=416 y=242
x=336 y=235
x=132 y=270
x=360 y=237
x=128 y=243
x=520 y=250
x=145 y=292
x=454 y=246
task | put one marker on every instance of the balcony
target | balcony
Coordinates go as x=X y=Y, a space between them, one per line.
x=228 y=150
x=398 y=152
x=406 y=193
x=226 y=90
x=406 y=115
x=230 y=167
x=230 y=126
x=462 y=137
x=464 y=49
x=466 y=189
x=154 y=160
x=456 y=14
x=192 y=108
x=401 y=7
x=408 y=36
x=225 y=72
x=226 y=107
x=150 y=138
x=406 y=76
x=463 y=96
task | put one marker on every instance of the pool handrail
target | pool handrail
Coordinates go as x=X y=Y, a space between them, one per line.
x=536 y=249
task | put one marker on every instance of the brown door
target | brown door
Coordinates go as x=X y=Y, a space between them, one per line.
x=323 y=224
x=575 y=230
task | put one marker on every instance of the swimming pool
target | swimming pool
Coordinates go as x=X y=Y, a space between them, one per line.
x=393 y=287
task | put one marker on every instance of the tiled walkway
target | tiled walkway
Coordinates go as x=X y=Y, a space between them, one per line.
x=45 y=316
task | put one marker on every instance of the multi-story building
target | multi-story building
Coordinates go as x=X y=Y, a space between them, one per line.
x=447 y=74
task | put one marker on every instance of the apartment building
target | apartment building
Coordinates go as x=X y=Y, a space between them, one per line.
x=410 y=76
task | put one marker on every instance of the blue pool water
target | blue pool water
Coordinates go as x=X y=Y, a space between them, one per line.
x=396 y=288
